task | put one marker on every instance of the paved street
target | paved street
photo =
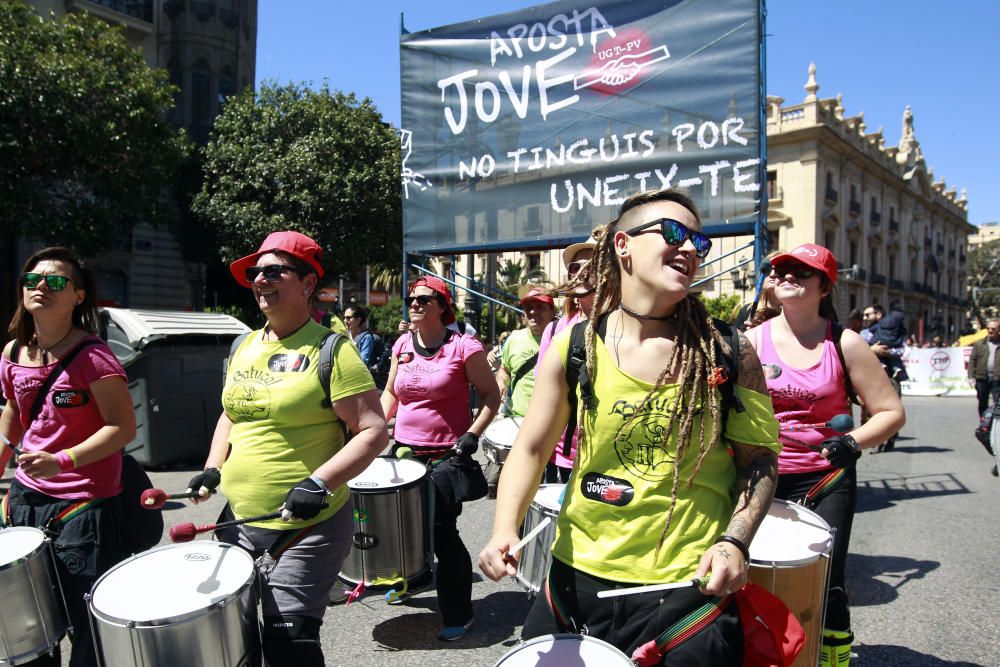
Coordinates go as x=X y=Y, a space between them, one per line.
x=923 y=590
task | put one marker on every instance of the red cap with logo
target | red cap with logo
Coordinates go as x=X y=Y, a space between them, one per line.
x=810 y=254
x=537 y=294
x=439 y=286
x=295 y=244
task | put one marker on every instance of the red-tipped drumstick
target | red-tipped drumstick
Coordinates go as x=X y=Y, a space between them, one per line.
x=840 y=424
x=185 y=532
x=154 y=499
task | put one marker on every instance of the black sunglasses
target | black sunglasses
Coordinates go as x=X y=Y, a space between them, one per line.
x=800 y=271
x=272 y=272
x=676 y=233
x=421 y=300
x=54 y=283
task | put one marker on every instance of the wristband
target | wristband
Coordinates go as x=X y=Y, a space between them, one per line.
x=739 y=544
x=65 y=460
x=320 y=483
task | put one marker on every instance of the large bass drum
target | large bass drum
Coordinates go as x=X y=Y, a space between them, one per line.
x=181 y=604
x=32 y=615
x=391 y=535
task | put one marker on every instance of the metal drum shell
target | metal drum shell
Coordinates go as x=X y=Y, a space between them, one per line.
x=27 y=582
x=391 y=539
x=564 y=649
x=533 y=566
x=217 y=635
x=495 y=448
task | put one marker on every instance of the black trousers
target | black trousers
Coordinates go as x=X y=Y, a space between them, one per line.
x=453 y=572
x=986 y=391
x=630 y=621
x=837 y=509
x=85 y=548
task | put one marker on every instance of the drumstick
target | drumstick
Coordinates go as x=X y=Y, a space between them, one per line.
x=154 y=499
x=697 y=581
x=14 y=448
x=840 y=424
x=530 y=536
x=185 y=532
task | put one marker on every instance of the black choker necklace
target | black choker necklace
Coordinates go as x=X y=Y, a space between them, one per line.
x=658 y=318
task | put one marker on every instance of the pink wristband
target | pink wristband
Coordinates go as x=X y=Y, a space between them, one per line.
x=65 y=460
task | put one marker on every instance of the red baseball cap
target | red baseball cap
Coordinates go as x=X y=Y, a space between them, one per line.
x=441 y=288
x=295 y=244
x=812 y=255
x=537 y=294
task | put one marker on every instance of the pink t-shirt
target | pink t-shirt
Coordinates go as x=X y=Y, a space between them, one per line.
x=802 y=396
x=433 y=393
x=543 y=345
x=68 y=417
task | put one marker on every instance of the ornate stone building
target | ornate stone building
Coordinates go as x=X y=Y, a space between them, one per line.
x=209 y=49
x=877 y=207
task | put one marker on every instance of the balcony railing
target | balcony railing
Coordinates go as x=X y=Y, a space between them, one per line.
x=928 y=243
x=896 y=284
x=940 y=248
x=893 y=225
x=875 y=218
x=832 y=195
x=855 y=208
x=878 y=279
x=138 y=9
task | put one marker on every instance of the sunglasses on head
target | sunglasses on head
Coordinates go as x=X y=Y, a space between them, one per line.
x=54 y=283
x=574 y=268
x=421 y=300
x=800 y=271
x=676 y=233
x=271 y=272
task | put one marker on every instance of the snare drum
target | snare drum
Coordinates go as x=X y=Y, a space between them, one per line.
x=790 y=556
x=562 y=650
x=180 y=604
x=499 y=438
x=391 y=533
x=32 y=616
x=533 y=565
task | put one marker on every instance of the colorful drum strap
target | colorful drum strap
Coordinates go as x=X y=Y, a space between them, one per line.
x=563 y=618
x=287 y=540
x=54 y=525
x=652 y=652
x=824 y=487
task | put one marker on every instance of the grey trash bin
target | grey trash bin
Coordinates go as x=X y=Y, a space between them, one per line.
x=174 y=361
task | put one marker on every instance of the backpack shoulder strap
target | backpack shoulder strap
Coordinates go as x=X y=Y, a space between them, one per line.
x=836 y=332
x=326 y=349
x=576 y=372
x=15 y=351
x=730 y=367
x=232 y=350
x=43 y=391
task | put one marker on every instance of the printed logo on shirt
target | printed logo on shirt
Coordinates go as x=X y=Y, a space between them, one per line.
x=288 y=363
x=248 y=399
x=642 y=442
x=70 y=398
x=405 y=357
x=606 y=489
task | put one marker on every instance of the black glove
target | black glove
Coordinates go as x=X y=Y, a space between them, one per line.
x=208 y=478
x=467 y=444
x=305 y=500
x=843 y=450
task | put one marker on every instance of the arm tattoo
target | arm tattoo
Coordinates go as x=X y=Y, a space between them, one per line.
x=757 y=479
x=749 y=373
x=723 y=551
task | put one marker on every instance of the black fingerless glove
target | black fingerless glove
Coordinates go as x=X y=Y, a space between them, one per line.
x=208 y=478
x=467 y=444
x=306 y=499
x=844 y=451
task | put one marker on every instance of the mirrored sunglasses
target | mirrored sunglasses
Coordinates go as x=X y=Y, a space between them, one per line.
x=575 y=267
x=676 y=233
x=53 y=282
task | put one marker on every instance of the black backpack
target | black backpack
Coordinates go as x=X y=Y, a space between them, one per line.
x=381 y=361
x=576 y=373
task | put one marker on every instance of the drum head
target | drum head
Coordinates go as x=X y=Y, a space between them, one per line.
x=548 y=495
x=387 y=472
x=18 y=542
x=790 y=535
x=172 y=581
x=503 y=431
x=562 y=650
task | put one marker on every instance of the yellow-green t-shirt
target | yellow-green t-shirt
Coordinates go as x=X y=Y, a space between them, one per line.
x=281 y=430
x=617 y=500
x=518 y=350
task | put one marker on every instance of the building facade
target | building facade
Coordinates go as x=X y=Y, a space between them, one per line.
x=209 y=48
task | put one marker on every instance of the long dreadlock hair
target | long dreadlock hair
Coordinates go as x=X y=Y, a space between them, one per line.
x=693 y=356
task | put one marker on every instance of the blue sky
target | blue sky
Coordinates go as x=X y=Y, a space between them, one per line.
x=942 y=59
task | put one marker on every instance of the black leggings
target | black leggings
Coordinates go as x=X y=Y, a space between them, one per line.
x=837 y=509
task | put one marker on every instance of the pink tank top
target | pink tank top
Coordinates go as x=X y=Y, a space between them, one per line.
x=803 y=397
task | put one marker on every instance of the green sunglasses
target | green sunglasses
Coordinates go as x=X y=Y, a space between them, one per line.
x=54 y=283
x=676 y=233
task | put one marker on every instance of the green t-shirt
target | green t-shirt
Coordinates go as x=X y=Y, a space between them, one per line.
x=519 y=347
x=617 y=499
x=281 y=430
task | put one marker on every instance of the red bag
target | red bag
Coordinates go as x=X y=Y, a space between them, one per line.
x=772 y=636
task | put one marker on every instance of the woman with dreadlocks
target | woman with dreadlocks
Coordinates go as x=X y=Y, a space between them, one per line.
x=664 y=489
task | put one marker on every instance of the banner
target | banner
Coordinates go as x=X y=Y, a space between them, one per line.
x=937 y=371
x=527 y=129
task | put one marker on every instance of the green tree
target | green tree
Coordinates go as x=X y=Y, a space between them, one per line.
x=85 y=147
x=316 y=161
x=722 y=307
x=984 y=280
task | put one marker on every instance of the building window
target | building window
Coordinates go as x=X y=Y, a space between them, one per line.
x=830 y=240
x=227 y=83
x=892 y=267
x=853 y=254
x=534 y=260
x=874 y=264
x=773 y=239
x=772 y=184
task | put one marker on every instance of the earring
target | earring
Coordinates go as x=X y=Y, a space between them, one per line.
x=305 y=291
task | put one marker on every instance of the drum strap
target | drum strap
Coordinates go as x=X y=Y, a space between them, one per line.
x=287 y=540
x=563 y=618
x=824 y=487
x=653 y=651
x=54 y=525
